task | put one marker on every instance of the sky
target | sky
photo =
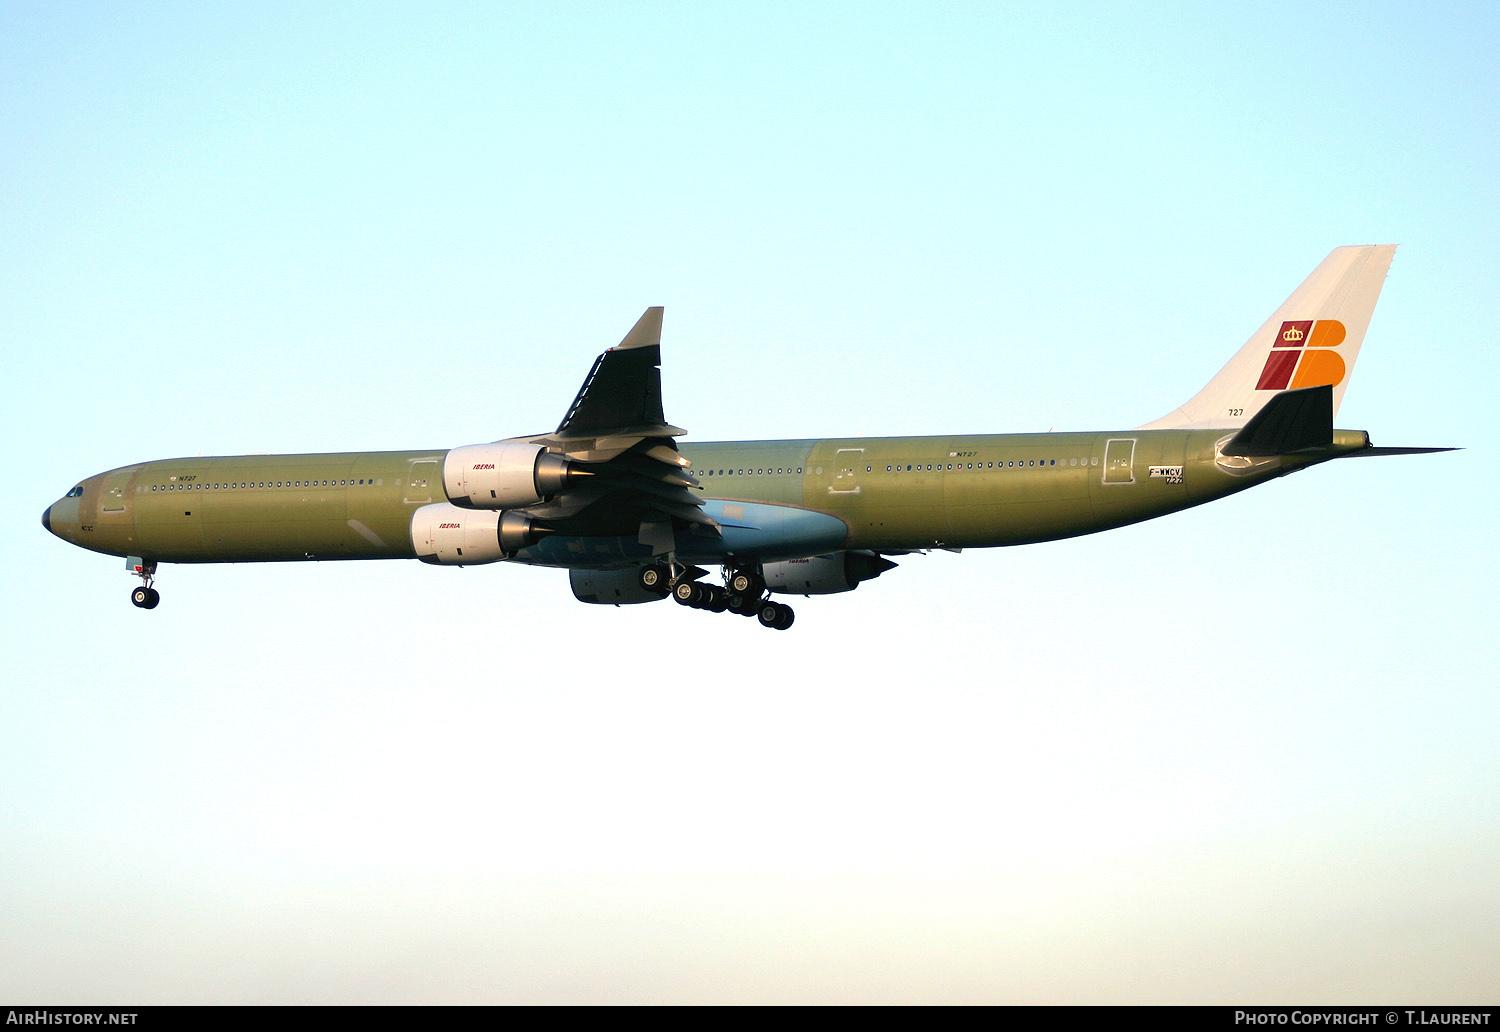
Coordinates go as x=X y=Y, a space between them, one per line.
x=1243 y=754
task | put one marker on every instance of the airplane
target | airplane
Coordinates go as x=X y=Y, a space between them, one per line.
x=634 y=516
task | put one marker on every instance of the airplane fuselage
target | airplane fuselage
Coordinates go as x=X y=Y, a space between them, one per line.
x=886 y=494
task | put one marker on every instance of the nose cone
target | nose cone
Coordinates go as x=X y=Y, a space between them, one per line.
x=47 y=518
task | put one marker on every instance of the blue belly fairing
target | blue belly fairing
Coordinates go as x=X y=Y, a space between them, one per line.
x=751 y=531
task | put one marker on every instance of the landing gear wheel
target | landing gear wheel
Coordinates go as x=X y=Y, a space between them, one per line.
x=776 y=615
x=688 y=593
x=716 y=599
x=746 y=582
x=145 y=596
x=655 y=578
x=740 y=605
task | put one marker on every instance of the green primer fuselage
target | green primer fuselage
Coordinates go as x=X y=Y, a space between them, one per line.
x=894 y=494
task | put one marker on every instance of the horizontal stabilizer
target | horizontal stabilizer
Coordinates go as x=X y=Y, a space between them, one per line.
x=1395 y=451
x=1292 y=421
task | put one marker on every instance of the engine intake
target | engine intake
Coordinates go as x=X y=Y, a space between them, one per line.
x=504 y=475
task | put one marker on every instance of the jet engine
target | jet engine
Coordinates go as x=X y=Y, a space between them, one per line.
x=446 y=535
x=611 y=587
x=504 y=475
x=824 y=574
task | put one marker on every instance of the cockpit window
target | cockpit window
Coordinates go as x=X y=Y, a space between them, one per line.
x=77 y=492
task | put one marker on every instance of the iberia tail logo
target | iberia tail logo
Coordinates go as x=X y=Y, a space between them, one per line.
x=1303 y=355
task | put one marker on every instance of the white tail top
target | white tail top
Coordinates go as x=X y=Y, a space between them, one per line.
x=1313 y=339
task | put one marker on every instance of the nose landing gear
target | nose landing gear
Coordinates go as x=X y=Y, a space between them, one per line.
x=145 y=596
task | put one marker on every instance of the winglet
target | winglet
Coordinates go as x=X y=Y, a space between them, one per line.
x=645 y=333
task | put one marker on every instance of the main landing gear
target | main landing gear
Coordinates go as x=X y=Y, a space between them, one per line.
x=743 y=592
x=145 y=596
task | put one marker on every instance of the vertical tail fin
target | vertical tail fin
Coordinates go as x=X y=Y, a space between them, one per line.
x=1312 y=340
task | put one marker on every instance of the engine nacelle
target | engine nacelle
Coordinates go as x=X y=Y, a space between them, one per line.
x=824 y=574
x=611 y=587
x=503 y=475
x=446 y=535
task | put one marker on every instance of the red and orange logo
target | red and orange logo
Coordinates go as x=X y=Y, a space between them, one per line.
x=1306 y=350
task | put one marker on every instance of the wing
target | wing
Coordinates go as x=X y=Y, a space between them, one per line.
x=615 y=427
